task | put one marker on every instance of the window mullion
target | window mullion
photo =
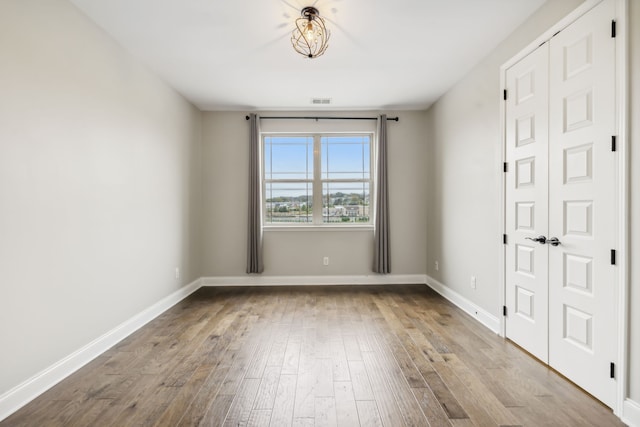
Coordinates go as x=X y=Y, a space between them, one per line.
x=317 y=181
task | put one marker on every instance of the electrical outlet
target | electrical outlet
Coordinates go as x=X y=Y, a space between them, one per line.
x=437 y=266
x=473 y=282
x=177 y=272
x=325 y=260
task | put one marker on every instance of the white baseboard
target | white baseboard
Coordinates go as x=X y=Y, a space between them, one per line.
x=631 y=413
x=259 y=280
x=481 y=315
x=22 y=394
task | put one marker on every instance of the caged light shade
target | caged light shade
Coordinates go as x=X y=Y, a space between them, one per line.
x=310 y=37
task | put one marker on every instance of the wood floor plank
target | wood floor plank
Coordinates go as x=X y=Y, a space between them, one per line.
x=200 y=404
x=304 y=422
x=238 y=369
x=340 y=367
x=139 y=387
x=268 y=388
x=243 y=402
x=324 y=378
x=325 y=412
x=431 y=408
x=385 y=400
x=360 y=381
x=397 y=327
x=445 y=397
x=346 y=410
x=314 y=355
x=368 y=415
x=396 y=382
x=278 y=345
x=471 y=403
x=307 y=377
x=183 y=399
x=217 y=412
x=283 y=404
x=259 y=418
x=36 y=415
x=90 y=415
x=488 y=400
x=259 y=360
x=291 y=358
x=351 y=347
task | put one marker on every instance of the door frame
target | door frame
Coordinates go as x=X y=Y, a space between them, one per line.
x=622 y=205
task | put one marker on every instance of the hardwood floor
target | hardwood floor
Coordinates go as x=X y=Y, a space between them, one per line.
x=314 y=356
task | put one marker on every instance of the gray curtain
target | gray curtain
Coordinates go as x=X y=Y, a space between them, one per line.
x=254 y=242
x=382 y=260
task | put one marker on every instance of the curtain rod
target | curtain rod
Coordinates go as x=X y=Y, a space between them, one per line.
x=395 y=119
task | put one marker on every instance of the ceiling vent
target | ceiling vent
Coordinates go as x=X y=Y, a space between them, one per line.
x=321 y=101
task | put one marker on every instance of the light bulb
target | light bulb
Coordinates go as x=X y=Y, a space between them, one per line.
x=309 y=34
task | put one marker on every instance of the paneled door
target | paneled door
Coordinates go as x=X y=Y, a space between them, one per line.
x=582 y=203
x=560 y=203
x=527 y=202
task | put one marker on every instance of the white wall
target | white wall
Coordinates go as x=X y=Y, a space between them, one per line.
x=99 y=186
x=225 y=170
x=464 y=160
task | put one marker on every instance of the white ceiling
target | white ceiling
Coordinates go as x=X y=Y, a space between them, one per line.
x=237 y=54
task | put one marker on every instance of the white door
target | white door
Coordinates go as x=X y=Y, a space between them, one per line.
x=582 y=203
x=561 y=184
x=527 y=202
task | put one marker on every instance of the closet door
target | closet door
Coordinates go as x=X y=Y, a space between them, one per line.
x=527 y=202
x=582 y=203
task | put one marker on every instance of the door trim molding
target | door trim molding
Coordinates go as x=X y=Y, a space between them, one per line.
x=622 y=84
x=622 y=215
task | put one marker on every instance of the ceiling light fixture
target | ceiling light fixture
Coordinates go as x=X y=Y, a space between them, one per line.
x=311 y=37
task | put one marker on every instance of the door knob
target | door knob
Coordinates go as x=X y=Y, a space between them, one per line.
x=540 y=239
x=553 y=241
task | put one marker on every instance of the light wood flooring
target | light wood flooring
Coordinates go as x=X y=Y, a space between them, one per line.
x=314 y=356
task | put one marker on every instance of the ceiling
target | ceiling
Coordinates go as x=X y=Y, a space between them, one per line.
x=237 y=54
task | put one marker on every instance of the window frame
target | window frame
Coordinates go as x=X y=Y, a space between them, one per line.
x=317 y=182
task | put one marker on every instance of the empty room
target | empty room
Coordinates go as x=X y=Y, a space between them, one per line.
x=319 y=213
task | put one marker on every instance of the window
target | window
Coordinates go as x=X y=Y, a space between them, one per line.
x=319 y=179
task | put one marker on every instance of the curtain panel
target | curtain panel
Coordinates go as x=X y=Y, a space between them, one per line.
x=254 y=235
x=382 y=259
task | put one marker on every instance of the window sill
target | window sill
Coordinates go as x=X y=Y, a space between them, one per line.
x=314 y=228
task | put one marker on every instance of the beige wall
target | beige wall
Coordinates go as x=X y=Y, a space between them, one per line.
x=225 y=163
x=99 y=186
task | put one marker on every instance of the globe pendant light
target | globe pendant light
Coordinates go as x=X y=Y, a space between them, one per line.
x=310 y=38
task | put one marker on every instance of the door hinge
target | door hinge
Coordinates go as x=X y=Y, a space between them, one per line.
x=504 y=310
x=504 y=94
x=613 y=143
x=505 y=167
x=613 y=29
x=612 y=370
x=613 y=257
x=504 y=239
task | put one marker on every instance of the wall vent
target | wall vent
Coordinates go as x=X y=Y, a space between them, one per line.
x=321 y=101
